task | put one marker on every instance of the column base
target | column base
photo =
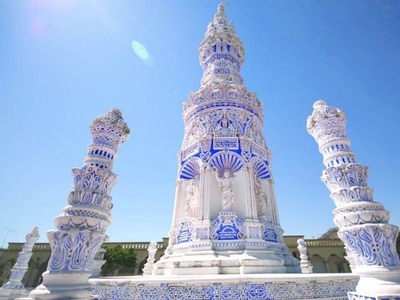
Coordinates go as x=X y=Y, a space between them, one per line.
x=378 y=282
x=11 y=294
x=63 y=285
x=227 y=262
x=356 y=296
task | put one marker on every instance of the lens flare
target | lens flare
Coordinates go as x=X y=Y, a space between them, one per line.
x=140 y=50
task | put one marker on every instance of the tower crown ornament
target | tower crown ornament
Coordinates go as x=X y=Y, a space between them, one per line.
x=323 y=112
x=221 y=53
x=109 y=131
x=220 y=25
x=327 y=124
x=112 y=123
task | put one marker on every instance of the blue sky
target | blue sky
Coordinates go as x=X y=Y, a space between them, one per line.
x=65 y=62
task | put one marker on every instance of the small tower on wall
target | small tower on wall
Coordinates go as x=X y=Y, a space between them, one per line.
x=370 y=241
x=225 y=216
x=15 y=287
x=82 y=223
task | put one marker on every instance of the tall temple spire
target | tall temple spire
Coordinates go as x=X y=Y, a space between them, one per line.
x=221 y=53
x=225 y=198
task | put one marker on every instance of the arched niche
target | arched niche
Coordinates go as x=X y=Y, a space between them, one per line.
x=318 y=264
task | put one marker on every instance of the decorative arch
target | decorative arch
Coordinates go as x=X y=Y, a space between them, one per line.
x=336 y=264
x=260 y=167
x=190 y=169
x=318 y=264
x=226 y=160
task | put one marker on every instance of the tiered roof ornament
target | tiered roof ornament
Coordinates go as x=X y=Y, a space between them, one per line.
x=221 y=54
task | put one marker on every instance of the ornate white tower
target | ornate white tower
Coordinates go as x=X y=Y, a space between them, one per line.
x=225 y=215
x=15 y=287
x=369 y=239
x=82 y=223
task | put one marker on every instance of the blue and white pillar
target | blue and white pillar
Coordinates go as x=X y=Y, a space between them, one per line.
x=82 y=223
x=363 y=223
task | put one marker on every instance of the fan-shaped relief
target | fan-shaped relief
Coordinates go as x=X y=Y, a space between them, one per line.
x=226 y=161
x=261 y=168
x=190 y=169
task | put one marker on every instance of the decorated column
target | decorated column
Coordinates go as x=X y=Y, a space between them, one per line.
x=225 y=218
x=82 y=223
x=369 y=239
x=15 y=286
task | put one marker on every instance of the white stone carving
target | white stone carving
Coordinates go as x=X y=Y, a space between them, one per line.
x=225 y=127
x=224 y=150
x=305 y=264
x=82 y=223
x=369 y=239
x=261 y=199
x=15 y=287
x=192 y=199
x=227 y=195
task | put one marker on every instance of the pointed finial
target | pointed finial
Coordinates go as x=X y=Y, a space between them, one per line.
x=219 y=24
x=222 y=43
x=220 y=16
x=221 y=6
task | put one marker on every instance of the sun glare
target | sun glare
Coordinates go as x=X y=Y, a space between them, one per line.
x=141 y=51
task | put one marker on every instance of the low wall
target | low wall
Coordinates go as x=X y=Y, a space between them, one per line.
x=260 y=286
